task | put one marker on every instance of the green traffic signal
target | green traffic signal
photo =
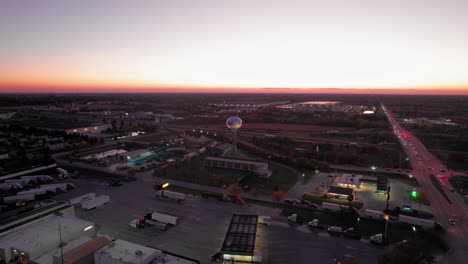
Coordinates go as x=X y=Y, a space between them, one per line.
x=414 y=194
x=407 y=159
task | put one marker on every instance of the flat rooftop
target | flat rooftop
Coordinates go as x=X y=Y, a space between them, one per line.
x=241 y=235
x=340 y=190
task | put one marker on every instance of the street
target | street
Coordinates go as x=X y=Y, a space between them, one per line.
x=424 y=163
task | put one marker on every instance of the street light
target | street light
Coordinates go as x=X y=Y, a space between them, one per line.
x=59 y=214
x=386 y=217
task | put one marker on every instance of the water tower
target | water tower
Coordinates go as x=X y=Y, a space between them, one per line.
x=234 y=123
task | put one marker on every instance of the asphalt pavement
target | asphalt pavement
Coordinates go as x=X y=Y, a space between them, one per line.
x=424 y=163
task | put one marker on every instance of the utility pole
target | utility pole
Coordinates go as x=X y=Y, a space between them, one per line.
x=59 y=214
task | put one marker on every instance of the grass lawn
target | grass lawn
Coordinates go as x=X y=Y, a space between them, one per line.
x=153 y=137
x=460 y=184
x=194 y=171
x=283 y=178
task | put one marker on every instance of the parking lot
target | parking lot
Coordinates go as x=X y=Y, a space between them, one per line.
x=203 y=223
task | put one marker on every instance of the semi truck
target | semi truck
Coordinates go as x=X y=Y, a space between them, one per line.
x=163 y=218
x=374 y=214
x=179 y=197
x=18 y=198
x=96 y=202
x=142 y=222
x=295 y=218
x=339 y=208
x=81 y=198
x=424 y=223
x=62 y=173
x=218 y=196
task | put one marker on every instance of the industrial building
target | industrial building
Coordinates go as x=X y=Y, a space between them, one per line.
x=124 y=252
x=240 y=242
x=38 y=240
x=258 y=167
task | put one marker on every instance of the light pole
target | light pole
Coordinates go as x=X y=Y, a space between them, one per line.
x=59 y=214
x=386 y=217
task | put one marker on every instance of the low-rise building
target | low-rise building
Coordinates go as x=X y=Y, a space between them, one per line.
x=350 y=180
x=258 y=167
x=340 y=192
x=240 y=242
x=33 y=240
x=139 y=156
x=124 y=252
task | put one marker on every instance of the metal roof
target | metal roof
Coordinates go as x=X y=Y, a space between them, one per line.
x=241 y=235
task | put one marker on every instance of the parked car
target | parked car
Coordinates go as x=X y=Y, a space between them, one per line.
x=292 y=201
x=308 y=204
x=113 y=183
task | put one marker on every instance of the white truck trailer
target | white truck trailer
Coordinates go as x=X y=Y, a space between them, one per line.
x=163 y=218
x=10 y=186
x=424 y=223
x=96 y=202
x=374 y=214
x=19 y=198
x=82 y=198
x=23 y=182
x=334 y=207
x=45 y=178
x=56 y=186
x=36 y=191
x=179 y=197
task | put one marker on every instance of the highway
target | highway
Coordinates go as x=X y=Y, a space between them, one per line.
x=424 y=164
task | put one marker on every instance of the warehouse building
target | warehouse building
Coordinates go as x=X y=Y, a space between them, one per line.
x=38 y=240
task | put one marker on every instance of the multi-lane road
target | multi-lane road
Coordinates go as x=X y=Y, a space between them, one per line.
x=424 y=164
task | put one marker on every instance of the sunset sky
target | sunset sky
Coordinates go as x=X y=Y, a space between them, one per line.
x=205 y=45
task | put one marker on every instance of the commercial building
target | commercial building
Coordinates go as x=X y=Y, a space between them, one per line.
x=124 y=252
x=382 y=183
x=339 y=192
x=350 y=180
x=258 y=167
x=240 y=242
x=92 y=129
x=105 y=154
x=139 y=156
x=313 y=106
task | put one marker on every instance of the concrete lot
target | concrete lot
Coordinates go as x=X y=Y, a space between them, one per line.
x=203 y=224
x=399 y=192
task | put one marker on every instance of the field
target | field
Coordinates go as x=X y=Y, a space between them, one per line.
x=194 y=171
x=287 y=127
